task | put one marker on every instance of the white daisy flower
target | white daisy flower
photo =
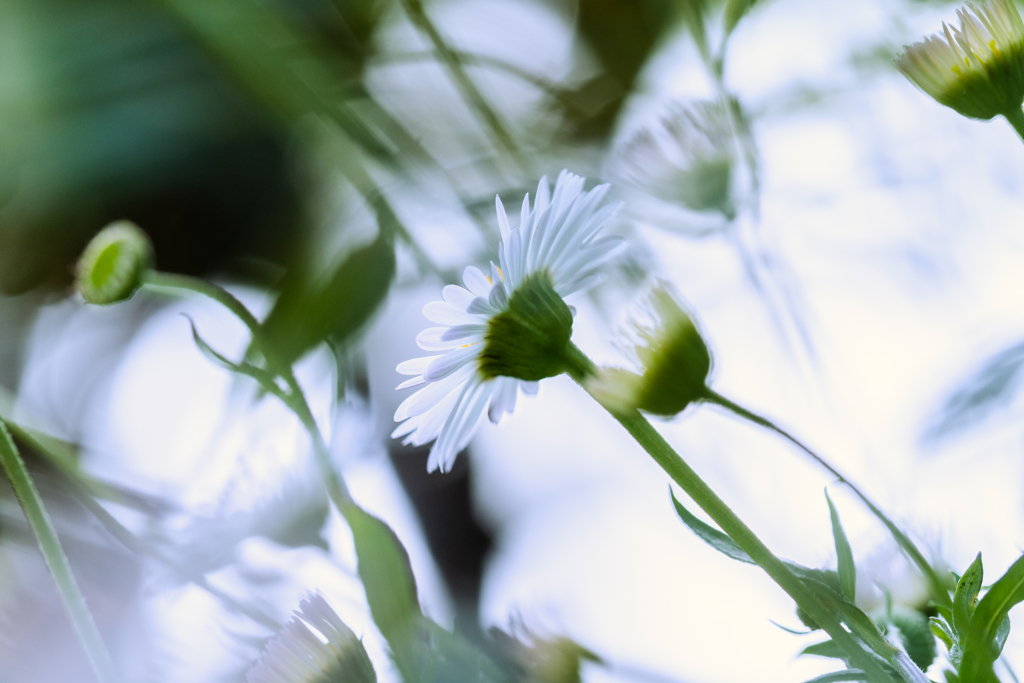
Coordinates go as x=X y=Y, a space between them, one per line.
x=977 y=70
x=504 y=332
x=315 y=645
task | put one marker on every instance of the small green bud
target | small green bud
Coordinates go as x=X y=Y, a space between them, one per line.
x=915 y=634
x=673 y=358
x=112 y=265
x=528 y=340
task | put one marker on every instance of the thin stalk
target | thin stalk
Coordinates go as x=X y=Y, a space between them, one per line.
x=295 y=399
x=465 y=84
x=56 y=561
x=1016 y=119
x=940 y=592
x=702 y=494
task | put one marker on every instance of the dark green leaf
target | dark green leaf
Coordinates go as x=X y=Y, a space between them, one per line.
x=829 y=648
x=713 y=537
x=846 y=675
x=982 y=645
x=302 y=318
x=844 y=554
x=966 y=596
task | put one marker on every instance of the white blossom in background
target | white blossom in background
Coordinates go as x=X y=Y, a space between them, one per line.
x=686 y=157
x=978 y=69
x=313 y=647
x=558 y=238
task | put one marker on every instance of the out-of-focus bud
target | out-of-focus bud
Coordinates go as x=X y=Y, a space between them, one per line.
x=112 y=265
x=686 y=158
x=314 y=646
x=977 y=70
x=672 y=359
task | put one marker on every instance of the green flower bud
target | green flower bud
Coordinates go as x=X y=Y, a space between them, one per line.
x=977 y=70
x=673 y=358
x=915 y=634
x=529 y=338
x=112 y=265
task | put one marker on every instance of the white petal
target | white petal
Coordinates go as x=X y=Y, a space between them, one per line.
x=414 y=382
x=504 y=398
x=482 y=307
x=444 y=313
x=432 y=339
x=465 y=332
x=429 y=396
x=459 y=429
x=502 y=218
x=530 y=388
x=457 y=296
x=450 y=362
x=415 y=366
x=476 y=281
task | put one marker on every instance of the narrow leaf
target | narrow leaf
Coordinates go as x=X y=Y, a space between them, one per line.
x=829 y=648
x=734 y=11
x=982 y=645
x=845 y=675
x=713 y=537
x=844 y=554
x=966 y=595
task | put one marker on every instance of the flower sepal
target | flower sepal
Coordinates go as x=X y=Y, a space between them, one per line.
x=528 y=340
x=113 y=263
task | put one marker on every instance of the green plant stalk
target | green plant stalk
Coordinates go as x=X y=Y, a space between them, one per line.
x=1016 y=119
x=940 y=593
x=56 y=561
x=580 y=367
x=295 y=399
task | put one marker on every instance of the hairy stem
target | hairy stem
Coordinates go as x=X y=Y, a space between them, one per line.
x=56 y=561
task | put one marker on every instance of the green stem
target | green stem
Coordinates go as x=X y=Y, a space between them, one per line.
x=56 y=561
x=940 y=593
x=462 y=80
x=702 y=494
x=295 y=399
x=1016 y=119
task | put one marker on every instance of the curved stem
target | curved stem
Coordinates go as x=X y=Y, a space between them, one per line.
x=56 y=561
x=1016 y=119
x=702 y=494
x=295 y=399
x=940 y=592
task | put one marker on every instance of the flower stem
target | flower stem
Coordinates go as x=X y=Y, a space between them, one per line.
x=295 y=399
x=702 y=494
x=1016 y=118
x=939 y=590
x=56 y=561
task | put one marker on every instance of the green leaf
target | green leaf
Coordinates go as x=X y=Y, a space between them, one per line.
x=734 y=11
x=264 y=378
x=966 y=596
x=844 y=554
x=829 y=648
x=304 y=317
x=389 y=584
x=845 y=675
x=713 y=537
x=987 y=631
x=942 y=631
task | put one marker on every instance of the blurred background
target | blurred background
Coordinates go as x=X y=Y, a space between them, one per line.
x=851 y=250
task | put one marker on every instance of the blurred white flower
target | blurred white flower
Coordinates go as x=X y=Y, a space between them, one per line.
x=977 y=70
x=686 y=158
x=315 y=645
x=509 y=330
